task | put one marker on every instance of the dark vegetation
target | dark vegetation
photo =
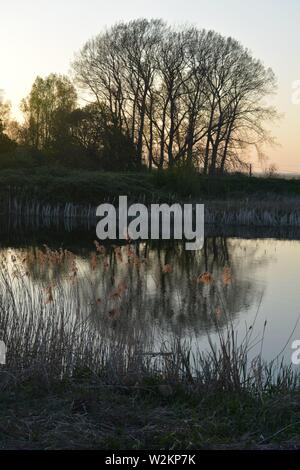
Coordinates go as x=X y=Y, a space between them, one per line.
x=83 y=413
x=58 y=185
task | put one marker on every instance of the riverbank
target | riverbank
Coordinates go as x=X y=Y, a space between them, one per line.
x=85 y=413
x=91 y=187
x=92 y=371
x=45 y=196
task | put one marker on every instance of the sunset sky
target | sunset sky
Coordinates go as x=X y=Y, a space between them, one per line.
x=38 y=37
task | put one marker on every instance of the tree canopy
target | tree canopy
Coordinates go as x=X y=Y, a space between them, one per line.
x=184 y=96
x=158 y=96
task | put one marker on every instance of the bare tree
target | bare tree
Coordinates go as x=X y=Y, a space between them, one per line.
x=184 y=96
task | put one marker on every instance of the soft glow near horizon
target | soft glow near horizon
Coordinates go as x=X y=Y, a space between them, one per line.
x=38 y=37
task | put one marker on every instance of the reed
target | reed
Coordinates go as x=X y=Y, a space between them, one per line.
x=60 y=325
x=264 y=211
x=86 y=371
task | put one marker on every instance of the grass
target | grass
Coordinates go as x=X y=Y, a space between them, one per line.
x=87 y=414
x=56 y=195
x=81 y=187
x=85 y=372
x=90 y=187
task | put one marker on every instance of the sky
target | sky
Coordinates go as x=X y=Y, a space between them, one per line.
x=38 y=37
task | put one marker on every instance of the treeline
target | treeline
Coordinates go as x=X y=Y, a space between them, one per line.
x=158 y=97
x=56 y=131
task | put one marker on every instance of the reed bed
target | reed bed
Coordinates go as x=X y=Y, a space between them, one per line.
x=60 y=325
x=89 y=372
x=266 y=211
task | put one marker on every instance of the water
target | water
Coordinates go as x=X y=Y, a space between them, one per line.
x=253 y=284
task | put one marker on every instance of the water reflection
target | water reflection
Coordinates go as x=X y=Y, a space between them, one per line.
x=148 y=285
x=150 y=290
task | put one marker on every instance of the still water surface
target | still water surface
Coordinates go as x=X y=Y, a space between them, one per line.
x=169 y=291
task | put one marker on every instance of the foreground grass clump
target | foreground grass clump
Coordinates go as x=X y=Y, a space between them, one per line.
x=81 y=373
x=89 y=414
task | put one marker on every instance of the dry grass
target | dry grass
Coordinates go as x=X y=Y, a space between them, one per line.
x=83 y=372
x=57 y=317
x=260 y=211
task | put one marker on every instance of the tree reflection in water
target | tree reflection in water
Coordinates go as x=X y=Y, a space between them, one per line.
x=148 y=289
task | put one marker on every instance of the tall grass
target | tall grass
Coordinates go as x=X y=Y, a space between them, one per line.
x=60 y=328
x=52 y=196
